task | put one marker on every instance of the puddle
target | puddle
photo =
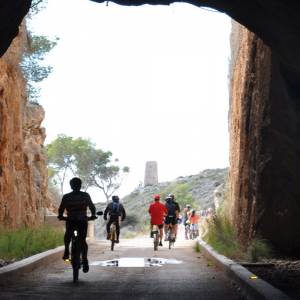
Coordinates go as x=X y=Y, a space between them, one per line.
x=135 y=262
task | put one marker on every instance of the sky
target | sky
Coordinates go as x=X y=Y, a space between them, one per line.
x=147 y=83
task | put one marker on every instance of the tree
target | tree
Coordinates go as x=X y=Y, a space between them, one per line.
x=37 y=47
x=60 y=159
x=81 y=158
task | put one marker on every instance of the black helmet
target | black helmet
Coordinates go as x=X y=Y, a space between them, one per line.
x=115 y=198
x=171 y=196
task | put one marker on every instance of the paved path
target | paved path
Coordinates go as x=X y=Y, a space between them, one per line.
x=194 y=278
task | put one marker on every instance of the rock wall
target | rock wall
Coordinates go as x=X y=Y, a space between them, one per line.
x=23 y=178
x=264 y=144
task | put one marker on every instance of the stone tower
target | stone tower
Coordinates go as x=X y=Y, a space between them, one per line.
x=151 y=176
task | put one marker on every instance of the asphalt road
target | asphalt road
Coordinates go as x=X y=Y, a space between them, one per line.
x=193 y=277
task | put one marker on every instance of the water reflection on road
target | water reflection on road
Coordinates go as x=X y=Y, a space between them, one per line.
x=135 y=262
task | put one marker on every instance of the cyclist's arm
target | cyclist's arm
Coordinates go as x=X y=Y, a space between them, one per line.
x=91 y=205
x=62 y=207
x=105 y=213
x=123 y=213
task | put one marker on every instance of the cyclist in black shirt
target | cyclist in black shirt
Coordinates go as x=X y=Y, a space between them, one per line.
x=116 y=211
x=76 y=204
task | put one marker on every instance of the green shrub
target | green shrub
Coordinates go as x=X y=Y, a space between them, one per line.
x=258 y=248
x=197 y=247
x=222 y=237
x=25 y=242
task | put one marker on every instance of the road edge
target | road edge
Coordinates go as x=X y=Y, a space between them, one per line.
x=28 y=264
x=252 y=289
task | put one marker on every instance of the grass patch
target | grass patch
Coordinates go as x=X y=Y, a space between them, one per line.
x=25 y=242
x=197 y=247
x=222 y=237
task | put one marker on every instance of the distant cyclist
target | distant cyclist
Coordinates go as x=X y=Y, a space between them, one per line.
x=186 y=223
x=76 y=204
x=194 y=220
x=116 y=211
x=172 y=196
x=172 y=215
x=157 y=212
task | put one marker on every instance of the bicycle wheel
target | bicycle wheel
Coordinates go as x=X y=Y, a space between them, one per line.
x=75 y=258
x=170 y=238
x=112 y=236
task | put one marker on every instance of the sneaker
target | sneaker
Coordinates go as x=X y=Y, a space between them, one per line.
x=108 y=236
x=85 y=266
x=160 y=243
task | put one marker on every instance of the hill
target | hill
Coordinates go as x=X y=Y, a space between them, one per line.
x=197 y=190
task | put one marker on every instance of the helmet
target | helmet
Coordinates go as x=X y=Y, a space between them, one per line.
x=156 y=197
x=115 y=198
x=171 y=196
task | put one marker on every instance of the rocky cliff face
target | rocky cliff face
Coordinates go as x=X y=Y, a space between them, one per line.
x=264 y=145
x=23 y=178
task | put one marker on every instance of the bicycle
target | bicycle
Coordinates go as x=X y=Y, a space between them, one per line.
x=155 y=234
x=76 y=248
x=169 y=236
x=194 y=231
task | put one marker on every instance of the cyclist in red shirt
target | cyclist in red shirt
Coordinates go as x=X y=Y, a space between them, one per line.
x=157 y=212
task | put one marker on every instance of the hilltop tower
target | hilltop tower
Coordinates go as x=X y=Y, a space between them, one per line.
x=151 y=175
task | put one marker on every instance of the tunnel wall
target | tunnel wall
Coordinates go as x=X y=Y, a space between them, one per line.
x=263 y=145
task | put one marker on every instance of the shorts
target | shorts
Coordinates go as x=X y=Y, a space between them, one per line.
x=160 y=226
x=171 y=220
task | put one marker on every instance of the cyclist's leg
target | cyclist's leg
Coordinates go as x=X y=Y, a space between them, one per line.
x=117 y=229
x=67 y=239
x=161 y=233
x=108 y=228
x=82 y=228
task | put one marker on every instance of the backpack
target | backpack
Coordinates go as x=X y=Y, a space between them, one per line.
x=171 y=207
x=115 y=209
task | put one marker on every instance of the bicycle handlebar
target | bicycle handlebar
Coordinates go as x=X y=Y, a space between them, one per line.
x=91 y=218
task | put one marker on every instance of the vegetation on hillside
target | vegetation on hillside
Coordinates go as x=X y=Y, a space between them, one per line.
x=196 y=190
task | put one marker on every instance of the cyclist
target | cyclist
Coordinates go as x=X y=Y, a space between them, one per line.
x=177 y=212
x=194 y=220
x=157 y=212
x=116 y=211
x=186 y=216
x=76 y=204
x=171 y=217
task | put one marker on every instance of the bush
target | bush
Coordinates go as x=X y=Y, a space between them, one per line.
x=222 y=237
x=258 y=248
x=25 y=242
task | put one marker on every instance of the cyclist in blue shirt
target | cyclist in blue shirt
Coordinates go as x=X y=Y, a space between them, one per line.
x=116 y=211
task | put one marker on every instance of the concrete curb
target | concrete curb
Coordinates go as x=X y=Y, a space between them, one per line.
x=253 y=289
x=28 y=264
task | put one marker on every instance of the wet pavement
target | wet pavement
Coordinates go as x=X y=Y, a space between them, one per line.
x=132 y=271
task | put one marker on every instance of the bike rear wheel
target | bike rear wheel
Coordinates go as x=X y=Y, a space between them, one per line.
x=75 y=259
